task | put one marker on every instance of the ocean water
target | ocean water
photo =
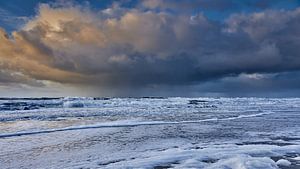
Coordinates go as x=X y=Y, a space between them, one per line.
x=152 y=132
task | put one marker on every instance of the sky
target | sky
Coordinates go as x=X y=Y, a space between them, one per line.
x=129 y=48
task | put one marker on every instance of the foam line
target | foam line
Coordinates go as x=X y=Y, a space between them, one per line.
x=126 y=124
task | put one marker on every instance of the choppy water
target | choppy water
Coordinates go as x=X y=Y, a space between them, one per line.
x=149 y=132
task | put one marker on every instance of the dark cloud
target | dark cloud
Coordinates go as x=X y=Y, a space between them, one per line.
x=132 y=49
x=285 y=84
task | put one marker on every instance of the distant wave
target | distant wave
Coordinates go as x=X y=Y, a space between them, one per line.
x=117 y=124
x=14 y=104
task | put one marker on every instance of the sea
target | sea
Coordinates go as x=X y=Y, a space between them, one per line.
x=150 y=133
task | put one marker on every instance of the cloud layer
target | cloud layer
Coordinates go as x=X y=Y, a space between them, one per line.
x=143 y=47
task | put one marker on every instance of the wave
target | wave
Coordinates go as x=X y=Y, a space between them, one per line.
x=14 y=104
x=119 y=124
x=28 y=105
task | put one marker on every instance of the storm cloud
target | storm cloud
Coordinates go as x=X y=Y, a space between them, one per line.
x=142 y=47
